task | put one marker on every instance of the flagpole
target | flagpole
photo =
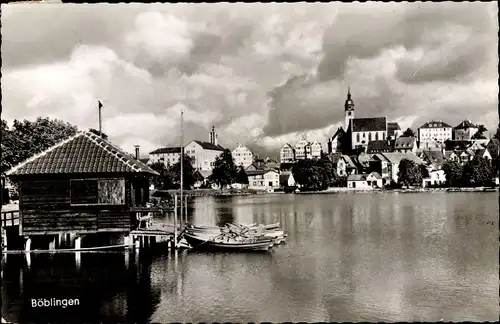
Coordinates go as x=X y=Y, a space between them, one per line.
x=182 y=162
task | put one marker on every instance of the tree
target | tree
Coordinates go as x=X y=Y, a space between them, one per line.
x=189 y=177
x=25 y=139
x=424 y=172
x=409 y=173
x=497 y=134
x=314 y=174
x=102 y=134
x=224 y=171
x=408 y=133
x=480 y=132
x=164 y=180
x=453 y=172
x=241 y=176
x=478 y=172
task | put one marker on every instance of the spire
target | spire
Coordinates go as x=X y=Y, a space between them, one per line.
x=349 y=103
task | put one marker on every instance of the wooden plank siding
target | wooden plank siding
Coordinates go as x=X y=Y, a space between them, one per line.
x=45 y=208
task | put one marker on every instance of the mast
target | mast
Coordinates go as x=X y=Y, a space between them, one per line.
x=100 y=119
x=182 y=162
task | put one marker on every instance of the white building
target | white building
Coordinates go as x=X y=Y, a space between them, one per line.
x=316 y=150
x=168 y=155
x=263 y=179
x=287 y=154
x=242 y=156
x=436 y=177
x=302 y=149
x=434 y=131
x=363 y=130
x=364 y=181
x=204 y=154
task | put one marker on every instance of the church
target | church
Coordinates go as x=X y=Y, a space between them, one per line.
x=359 y=131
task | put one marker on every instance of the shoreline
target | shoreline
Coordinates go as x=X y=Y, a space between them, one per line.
x=248 y=192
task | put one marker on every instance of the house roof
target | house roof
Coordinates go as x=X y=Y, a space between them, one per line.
x=334 y=157
x=381 y=145
x=364 y=158
x=369 y=124
x=435 y=124
x=356 y=177
x=284 y=176
x=166 y=150
x=396 y=157
x=465 y=124
x=339 y=133
x=376 y=175
x=392 y=128
x=349 y=162
x=404 y=142
x=205 y=174
x=480 y=152
x=259 y=172
x=435 y=158
x=84 y=152
x=209 y=146
x=448 y=154
x=145 y=161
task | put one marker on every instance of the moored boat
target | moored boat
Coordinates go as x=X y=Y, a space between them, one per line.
x=223 y=243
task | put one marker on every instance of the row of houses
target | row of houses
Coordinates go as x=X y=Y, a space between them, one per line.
x=361 y=170
x=202 y=154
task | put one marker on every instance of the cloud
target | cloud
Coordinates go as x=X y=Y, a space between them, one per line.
x=263 y=74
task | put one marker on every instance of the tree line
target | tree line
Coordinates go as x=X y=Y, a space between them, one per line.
x=479 y=171
x=224 y=173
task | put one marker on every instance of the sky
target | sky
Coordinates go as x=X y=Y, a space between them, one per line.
x=262 y=74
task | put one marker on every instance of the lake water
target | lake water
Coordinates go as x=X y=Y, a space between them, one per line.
x=348 y=257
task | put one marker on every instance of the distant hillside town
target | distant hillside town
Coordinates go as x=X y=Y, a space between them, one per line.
x=367 y=152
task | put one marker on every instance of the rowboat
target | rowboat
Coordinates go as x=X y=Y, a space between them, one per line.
x=221 y=243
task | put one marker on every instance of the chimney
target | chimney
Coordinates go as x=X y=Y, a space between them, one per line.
x=137 y=151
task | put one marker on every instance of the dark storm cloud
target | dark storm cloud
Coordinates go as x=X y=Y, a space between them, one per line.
x=361 y=34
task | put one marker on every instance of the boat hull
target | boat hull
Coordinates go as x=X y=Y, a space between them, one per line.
x=202 y=243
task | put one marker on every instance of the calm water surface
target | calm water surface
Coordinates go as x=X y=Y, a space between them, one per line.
x=349 y=257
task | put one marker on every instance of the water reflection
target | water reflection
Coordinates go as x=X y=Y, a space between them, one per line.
x=348 y=257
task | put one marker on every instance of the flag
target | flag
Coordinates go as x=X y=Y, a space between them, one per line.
x=100 y=104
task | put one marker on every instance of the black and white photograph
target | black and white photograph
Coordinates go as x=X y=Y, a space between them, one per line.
x=249 y=162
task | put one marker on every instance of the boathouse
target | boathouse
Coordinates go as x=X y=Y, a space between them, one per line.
x=84 y=186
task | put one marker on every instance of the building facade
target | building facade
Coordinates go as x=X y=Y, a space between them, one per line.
x=302 y=149
x=203 y=154
x=434 y=131
x=316 y=150
x=263 y=179
x=287 y=154
x=242 y=156
x=465 y=130
x=168 y=155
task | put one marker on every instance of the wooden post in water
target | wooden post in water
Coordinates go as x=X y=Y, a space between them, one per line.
x=185 y=210
x=175 y=221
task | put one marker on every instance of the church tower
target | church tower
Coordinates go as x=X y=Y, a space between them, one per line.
x=349 y=109
x=214 y=139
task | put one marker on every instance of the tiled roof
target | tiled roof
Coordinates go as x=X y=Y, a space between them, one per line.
x=435 y=158
x=404 y=143
x=145 y=161
x=369 y=124
x=465 y=124
x=396 y=157
x=381 y=145
x=83 y=153
x=209 y=146
x=392 y=128
x=166 y=150
x=435 y=124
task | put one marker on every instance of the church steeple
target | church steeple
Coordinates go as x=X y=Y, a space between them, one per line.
x=214 y=138
x=349 y=103
x=349 y=109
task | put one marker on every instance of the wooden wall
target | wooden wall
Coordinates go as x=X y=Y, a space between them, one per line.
x=46 y=208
